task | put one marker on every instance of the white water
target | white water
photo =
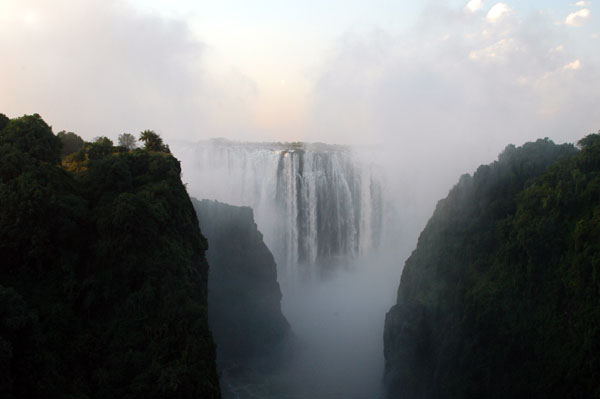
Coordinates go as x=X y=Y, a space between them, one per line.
x=315 y=204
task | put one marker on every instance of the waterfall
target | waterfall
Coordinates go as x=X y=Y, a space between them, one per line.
x=316 y=204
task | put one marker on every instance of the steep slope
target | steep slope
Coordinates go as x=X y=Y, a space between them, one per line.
x=501 y=297
x=103 y=278
x=244 y=297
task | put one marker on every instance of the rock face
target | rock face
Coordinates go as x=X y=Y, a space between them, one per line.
x=244 y=299
x=501 y=296
x=314 y=203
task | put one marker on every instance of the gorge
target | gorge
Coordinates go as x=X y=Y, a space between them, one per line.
x=481 y=306
x=321 y=209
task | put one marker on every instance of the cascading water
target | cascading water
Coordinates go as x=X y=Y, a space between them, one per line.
x=316 y=204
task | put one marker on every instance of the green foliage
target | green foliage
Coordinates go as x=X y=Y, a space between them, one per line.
x=100 y=148
x=153 y=142
x=103 y=275
x=30 y=134
x=70 y=143
x=501 y=298
x=3 y=121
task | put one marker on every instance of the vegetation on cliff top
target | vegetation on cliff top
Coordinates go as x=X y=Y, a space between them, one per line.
x=103 y=276
x=501 y=297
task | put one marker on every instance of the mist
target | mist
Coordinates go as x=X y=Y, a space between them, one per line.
x=108 y=68
x=339 y=322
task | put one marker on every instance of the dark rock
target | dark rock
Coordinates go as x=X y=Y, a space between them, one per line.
x=244 y=296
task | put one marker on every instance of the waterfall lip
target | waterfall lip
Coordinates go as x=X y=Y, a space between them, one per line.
x=272 y=145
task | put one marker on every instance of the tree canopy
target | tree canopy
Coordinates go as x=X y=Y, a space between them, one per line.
x=70 y=143
x=99 y=148
x=153 y=142
x=3 y=121
x=30 y=135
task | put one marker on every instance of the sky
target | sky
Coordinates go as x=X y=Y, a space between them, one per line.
x=466 y=76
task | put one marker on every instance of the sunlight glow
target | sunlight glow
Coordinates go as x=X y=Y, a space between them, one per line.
x=31 y=19
x=497 y=12
x=578 y=18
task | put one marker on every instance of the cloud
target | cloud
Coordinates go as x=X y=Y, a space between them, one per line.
x=497 y=12
x=583 y=3
x=578 y=18
x=575 y=65
x=97 y=66
x=496 y=51
x=474 y=5
x=439 y=108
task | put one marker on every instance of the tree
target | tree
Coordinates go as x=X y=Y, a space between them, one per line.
x=31 y=135
x=127 y=141
x=70 y=143
x=153 y=142
x=101 y=147
x=3 y=121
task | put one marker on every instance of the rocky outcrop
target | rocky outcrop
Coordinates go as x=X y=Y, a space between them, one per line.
x=244 y=296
